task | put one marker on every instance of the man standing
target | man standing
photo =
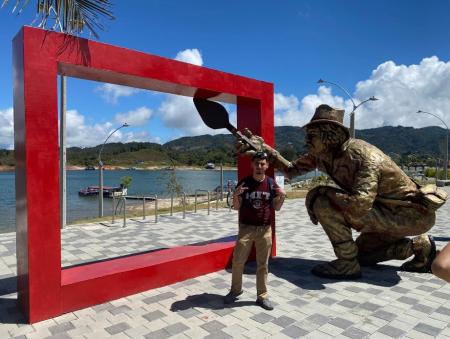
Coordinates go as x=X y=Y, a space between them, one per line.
x=256 y=197
x=371 y=195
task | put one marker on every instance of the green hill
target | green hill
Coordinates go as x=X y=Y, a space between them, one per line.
x=404 y=144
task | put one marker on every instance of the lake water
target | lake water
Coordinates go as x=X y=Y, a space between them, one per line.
x=144 y=182
x=78 y=207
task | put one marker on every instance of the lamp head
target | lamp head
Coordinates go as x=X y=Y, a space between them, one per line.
x=372 y=98
x=320 y=81
x=125 y=125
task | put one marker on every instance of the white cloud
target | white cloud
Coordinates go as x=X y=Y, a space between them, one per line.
x=402 y=91
x=289 y=110
x=192 y=56
x=111 y=93
x=7 y=128
x=180 y=113
x=140 y=136
x=81 y=134
x=137 y=117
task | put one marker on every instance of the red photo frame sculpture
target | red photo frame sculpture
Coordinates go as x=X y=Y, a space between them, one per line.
x=45 y=289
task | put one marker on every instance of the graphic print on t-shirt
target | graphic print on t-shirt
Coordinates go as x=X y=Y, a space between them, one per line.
x=256 y=208
x=256 y=198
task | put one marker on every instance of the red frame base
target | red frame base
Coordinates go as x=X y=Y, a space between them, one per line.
x=44 y=289
x=138 y=273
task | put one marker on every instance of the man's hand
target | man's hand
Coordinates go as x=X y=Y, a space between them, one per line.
x=237 y=196
x=280 y=192
x=240 y=190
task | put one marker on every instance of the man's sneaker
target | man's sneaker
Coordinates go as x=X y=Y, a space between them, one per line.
x=265 y=303
x=231 y=297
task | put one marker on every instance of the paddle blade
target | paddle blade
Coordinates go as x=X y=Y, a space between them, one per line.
x=213 y=114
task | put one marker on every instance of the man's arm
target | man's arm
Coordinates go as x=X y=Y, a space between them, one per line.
x=237 y=196
x=278 y=201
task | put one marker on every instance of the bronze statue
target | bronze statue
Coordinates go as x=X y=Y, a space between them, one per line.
x=372 y=195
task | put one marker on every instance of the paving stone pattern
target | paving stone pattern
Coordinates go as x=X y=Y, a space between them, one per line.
x=385 y=303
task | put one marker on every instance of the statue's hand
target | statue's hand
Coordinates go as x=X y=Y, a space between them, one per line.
x=243 y=147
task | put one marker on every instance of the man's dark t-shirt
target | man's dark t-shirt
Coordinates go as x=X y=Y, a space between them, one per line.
x=257 y=201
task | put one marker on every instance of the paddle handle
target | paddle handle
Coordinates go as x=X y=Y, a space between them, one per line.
x=238 y=134
x=257 y=147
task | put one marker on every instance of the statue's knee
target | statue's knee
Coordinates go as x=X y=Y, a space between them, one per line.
x=322 y=206
x=311 y=195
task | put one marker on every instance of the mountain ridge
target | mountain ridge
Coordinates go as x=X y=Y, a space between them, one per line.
x=403 y=144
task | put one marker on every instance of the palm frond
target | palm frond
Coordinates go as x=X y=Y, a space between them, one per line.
x=70 y=16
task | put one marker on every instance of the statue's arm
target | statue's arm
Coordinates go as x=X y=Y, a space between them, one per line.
x=360 y=200
x=302 y=165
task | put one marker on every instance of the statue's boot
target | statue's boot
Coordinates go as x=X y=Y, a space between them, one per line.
x=340 y=235
x=397 y=250
x=424 y=249
x=341 y=269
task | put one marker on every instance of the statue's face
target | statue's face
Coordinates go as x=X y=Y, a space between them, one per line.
x=314 y=142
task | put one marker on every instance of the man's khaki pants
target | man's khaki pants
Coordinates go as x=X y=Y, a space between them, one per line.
x=262 y=237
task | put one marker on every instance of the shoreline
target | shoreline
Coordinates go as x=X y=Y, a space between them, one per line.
x=4 y=168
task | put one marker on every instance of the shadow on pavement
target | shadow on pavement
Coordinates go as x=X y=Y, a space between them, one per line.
x=9 y=308
x=10 y=312
x=207 y=300
x=8 y=285
x=297 y=271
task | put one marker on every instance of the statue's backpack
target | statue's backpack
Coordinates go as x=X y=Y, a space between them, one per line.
x=432 y=196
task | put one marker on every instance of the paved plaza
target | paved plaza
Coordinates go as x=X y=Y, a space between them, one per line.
x=385 y=303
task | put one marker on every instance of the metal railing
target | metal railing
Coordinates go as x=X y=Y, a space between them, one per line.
x=184 y=195
x=184 y=204
x=195 y=201
x=155 y=197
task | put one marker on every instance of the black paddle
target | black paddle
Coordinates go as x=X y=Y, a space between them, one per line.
x=215 y=116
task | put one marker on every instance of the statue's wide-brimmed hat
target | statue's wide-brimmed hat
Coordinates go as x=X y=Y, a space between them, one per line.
x=329 y=115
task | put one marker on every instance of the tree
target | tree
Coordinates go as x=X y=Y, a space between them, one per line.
x=125 y=182
x=68 y=16
x=173 y=186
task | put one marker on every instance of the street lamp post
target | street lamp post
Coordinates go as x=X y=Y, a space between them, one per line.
x=352 y=113
x=100 y=169
x=446 y=141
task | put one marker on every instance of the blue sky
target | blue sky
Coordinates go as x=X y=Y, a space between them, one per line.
x=398 y=51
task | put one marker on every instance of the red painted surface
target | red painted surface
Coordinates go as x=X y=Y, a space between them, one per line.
x=44 y=289
x=139 y=273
